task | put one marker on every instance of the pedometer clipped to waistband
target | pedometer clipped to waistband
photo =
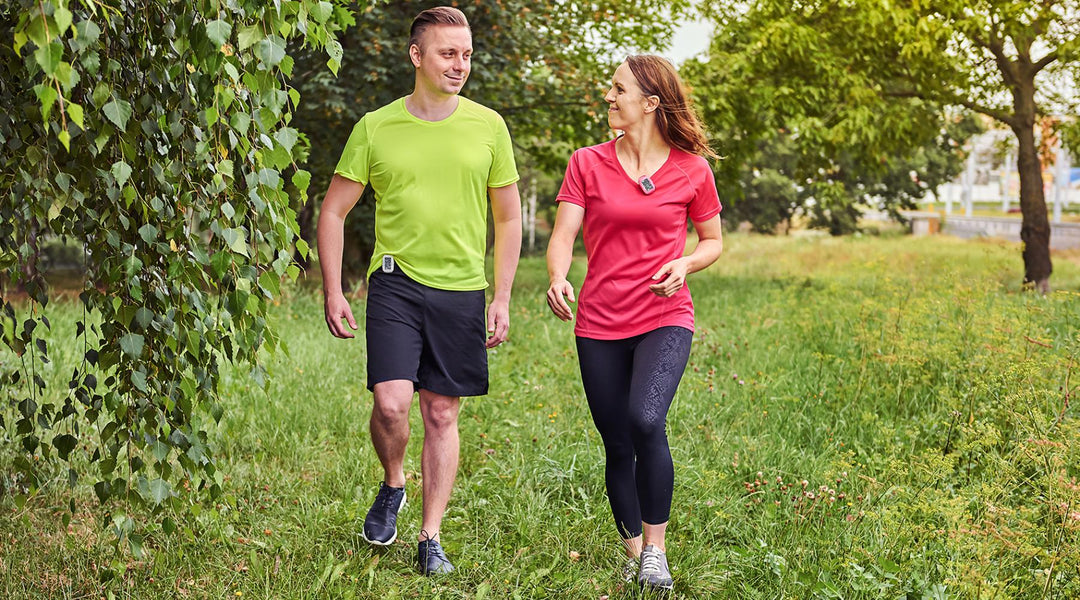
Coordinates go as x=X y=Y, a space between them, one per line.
x=387 y=264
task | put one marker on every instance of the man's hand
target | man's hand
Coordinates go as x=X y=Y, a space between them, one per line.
x=676 y=277
x=336 y=308
x=498 y=322
x=560 y=291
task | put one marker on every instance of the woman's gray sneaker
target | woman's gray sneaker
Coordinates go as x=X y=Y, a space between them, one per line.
x=629 y=570
x=654 y=572
x=380 y=525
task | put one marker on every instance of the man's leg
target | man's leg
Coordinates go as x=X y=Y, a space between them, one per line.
x=439 y=459
x=454 y=362
x=390 y=428
x=394 y=343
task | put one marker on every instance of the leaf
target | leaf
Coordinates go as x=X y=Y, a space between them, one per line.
x=135 y=544
x=270 y=282
x=63 y=19
x=248 y=36
x=119 y=112
x=48 y=57
x=103 y=491
x=132 y=344
x=148 y=233
x=160 y=490
x=302 y=180
x=64 y=444
x=138 y=379
x=286 y=136
x=75 y=111
x=240 y=122
x=271 y=50
x=235 y=240
x=47 y=97
x=334 y=49
x=121 y=171
x=322 y=11
x=218 y=31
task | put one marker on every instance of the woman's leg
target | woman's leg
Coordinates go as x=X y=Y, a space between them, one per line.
x=605 y=374
x=659 y=361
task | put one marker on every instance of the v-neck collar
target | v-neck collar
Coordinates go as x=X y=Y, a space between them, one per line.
x=622 y=169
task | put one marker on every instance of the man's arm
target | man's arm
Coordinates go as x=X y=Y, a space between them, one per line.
x=506 y=211
x=340 y=198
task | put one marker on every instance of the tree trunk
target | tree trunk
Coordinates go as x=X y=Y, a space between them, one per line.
x=1035 y=227
x=31 y=280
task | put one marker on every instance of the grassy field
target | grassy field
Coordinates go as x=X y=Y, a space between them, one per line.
x=862 y=418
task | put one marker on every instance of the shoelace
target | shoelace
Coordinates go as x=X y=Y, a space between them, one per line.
x=386 y=498
x=650 y=562
x=434 y=548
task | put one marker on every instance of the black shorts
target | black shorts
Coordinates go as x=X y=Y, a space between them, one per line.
x=434 y=338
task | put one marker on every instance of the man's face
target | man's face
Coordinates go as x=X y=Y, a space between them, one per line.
x=445 y=61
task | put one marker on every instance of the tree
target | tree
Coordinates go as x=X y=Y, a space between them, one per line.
x=157 y=133
x=852 y=65
x=543 y=65
x=780 y=180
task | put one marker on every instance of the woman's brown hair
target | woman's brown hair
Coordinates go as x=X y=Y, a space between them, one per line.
x=679 y=123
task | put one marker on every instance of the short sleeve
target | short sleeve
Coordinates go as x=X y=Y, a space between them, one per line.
x=353 y=163
x=503 y=168
x=706 y=201
x=573 y=185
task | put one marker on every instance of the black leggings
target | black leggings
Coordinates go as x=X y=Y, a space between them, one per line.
x=630 y=384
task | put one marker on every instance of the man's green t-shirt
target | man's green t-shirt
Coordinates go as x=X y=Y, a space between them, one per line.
x=430 y=180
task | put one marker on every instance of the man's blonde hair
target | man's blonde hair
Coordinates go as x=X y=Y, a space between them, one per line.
x=440 y=15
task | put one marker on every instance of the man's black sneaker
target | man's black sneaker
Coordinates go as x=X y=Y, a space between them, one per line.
x=380 y=526
x=431 y=559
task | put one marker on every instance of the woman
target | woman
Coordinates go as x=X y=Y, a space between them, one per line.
x=635 y=319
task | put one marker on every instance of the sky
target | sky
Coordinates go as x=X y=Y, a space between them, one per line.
x=691 y=40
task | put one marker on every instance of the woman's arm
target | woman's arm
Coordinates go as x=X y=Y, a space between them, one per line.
x=710 y=245
x=560 y=254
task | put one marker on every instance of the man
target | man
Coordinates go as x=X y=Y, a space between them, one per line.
x=432 y=158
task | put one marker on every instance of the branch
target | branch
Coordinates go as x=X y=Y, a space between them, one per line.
x=1004 y=117
x=1044 y=61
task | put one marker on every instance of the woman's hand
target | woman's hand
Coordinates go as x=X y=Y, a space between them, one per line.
x=557 y=296
x=676 y=277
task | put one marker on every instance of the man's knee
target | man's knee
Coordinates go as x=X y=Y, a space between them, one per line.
x=392 y=401
x=440 y=412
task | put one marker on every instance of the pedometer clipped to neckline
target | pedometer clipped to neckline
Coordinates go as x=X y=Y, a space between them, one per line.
x=646 y=184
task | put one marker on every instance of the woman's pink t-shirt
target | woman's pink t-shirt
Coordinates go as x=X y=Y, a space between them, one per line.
x=629 y=235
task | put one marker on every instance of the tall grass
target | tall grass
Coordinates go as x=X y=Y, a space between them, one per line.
x=861 y=418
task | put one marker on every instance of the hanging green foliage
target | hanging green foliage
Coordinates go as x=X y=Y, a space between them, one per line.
x=157 y=134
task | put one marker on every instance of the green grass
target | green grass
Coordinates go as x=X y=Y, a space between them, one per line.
x=909 y=379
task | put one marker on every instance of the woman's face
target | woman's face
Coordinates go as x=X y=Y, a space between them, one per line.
x=627 y=104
